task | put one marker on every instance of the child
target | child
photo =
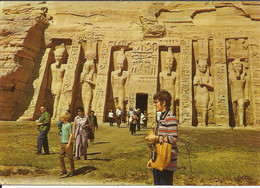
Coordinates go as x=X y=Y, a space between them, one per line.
x=66 y=145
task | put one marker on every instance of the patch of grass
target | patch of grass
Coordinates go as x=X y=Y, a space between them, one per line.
x=206 y=156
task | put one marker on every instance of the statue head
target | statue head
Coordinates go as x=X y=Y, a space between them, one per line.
x=237 y=66
x=88 y=65
x=59 y=52
x=202 y=65
x=169 y=59
x=121 y=59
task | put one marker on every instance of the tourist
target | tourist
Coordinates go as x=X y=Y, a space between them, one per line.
x=138 y=112
x=165 y=131
x=111 y=117
x=80 y=131
x=93 y=119
x=59 y=125
x=144 y=119
x=134 y=122
x=66 y=145
x=118 y=116
x=43 y=123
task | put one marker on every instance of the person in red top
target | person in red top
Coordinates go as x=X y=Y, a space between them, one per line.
x=166 y=130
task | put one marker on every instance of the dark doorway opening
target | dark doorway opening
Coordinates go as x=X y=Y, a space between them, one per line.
x=141 y=101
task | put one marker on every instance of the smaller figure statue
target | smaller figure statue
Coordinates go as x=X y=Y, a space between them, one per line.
x=238 y=89
x=202 y=83
x=57 y=72
x=88 y=84
x=119 y=82
x=169 y=79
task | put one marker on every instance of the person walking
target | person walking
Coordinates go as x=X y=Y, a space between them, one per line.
x=66 y=145
x=80 y=131
x=111 y=117
x=59 y=124
x=118 y=116
x=134 y=122
x=138 y=112
x=43 y=123
x=93 y=119
x=166 y=130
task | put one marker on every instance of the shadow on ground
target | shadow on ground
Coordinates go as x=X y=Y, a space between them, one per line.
x=82 y=171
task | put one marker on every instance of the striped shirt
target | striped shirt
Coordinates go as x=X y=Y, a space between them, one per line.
x=167 y=130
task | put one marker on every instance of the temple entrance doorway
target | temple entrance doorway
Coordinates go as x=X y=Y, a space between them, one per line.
x=141 y=101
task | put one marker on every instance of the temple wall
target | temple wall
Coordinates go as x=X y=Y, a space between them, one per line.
x=107 y=55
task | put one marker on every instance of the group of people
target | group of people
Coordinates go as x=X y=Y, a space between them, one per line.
x=84 y=127
x=135 y=119
x=166 y=130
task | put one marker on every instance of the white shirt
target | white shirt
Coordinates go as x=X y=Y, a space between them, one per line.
x=111 y=114
x=118 y=112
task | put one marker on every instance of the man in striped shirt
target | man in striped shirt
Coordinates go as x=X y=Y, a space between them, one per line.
x=166 y=130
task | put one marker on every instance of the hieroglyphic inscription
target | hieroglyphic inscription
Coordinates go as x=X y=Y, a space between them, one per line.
x=101 y=82
x=145 y=59
x=37 y=84
x=254 y=61
x=220 y=77
x=69 y=77
x=185 y=83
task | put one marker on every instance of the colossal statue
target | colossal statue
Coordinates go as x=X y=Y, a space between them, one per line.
x=238 y=89
x=57 y=72
x=169 y=79
x=202 y=82
x=88 y=84
x=119 y=82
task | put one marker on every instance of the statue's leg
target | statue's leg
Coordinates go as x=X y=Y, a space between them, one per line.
x=240 y=107
x=55 y=97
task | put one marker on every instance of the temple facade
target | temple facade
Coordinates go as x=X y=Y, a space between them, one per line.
x=105 y=55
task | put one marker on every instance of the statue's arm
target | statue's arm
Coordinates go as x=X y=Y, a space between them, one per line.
x=177 y=86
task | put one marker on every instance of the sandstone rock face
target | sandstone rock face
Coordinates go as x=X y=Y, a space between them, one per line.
x=119 y=54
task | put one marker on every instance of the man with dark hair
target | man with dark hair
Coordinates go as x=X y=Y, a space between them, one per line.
x=43 y=123
x=165 y=131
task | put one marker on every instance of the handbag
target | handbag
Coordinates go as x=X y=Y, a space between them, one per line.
x=162 y=158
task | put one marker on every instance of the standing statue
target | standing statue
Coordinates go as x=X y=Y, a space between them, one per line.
x=86 y=79
x=169 y=79
x=202 y=83
x=238 y=89
x=57 y=72
x=119 y=82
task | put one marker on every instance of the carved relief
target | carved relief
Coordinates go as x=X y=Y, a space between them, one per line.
x=88 y=76
x=57 y=73
x=185 y=83
x=169 y=78
x=119 y=81
x=238 y=89
x=202 y=83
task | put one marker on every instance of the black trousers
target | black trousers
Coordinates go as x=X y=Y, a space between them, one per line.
x=132 y=128
x=164 y=177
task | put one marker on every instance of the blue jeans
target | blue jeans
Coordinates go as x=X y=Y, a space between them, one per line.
x=164 y=177
x=43 y=141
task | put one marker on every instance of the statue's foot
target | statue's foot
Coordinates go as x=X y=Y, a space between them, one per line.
x=201 y=124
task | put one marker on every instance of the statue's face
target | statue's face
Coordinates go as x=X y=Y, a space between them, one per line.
x=58 y=56
x=169 y=63
x=89 y=66
x=120 y=64
x=202 y=65
x=237 y=67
